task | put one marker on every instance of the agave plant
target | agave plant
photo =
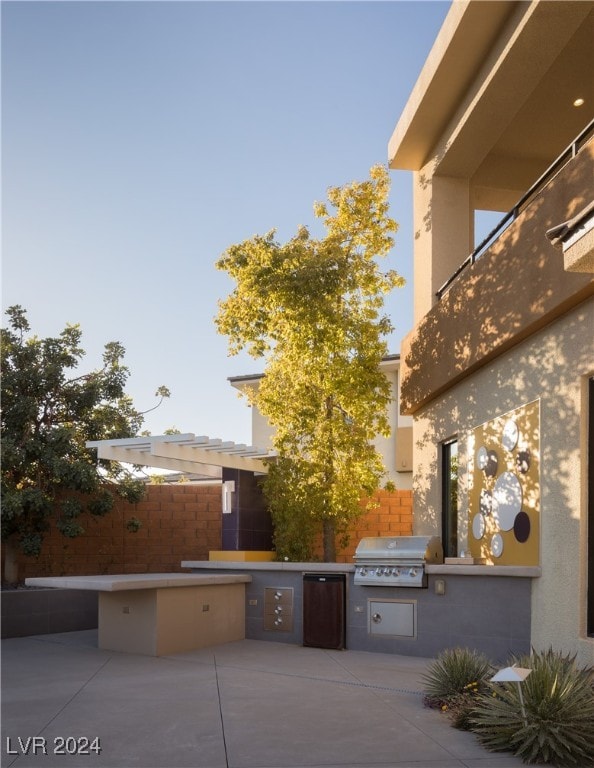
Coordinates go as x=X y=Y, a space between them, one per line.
x=558 y=725
x=454 y=673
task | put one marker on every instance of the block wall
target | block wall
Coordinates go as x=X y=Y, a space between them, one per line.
x=178 y=522
x=392 y=517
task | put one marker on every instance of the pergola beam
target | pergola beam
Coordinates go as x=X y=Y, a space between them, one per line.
x=185 y=453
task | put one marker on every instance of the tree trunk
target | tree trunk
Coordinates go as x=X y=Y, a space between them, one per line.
x=329 y=541
x=329 y=530
x=11 y=565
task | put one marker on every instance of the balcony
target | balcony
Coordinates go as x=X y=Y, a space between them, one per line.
x=517 y=286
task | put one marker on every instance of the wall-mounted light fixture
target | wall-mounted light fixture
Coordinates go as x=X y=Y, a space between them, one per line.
x=228 y=488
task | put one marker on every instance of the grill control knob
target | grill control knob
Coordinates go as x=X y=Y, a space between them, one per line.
x=413 y=572
x=363 y=571
x=396 y=571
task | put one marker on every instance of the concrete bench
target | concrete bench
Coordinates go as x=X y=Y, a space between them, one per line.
x=156 y=614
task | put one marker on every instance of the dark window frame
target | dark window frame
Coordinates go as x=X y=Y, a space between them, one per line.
x=449 y=497
x=590 y=512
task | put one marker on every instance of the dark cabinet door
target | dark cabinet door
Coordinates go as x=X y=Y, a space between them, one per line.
x=324 y=598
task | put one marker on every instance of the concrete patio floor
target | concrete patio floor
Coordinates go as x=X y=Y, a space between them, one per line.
x=247 y=704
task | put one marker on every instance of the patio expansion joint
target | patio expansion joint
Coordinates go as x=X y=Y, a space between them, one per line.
x=222 y=719
x=355 y=683
x=359 y=684
x=68 y=702
x=371 y=686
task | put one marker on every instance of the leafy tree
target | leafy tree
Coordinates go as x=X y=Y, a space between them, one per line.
x=312 y=308
x=49 y=411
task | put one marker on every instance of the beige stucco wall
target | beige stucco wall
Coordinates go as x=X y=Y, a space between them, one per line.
x=518 y=285
x=262 y=432
x=517 y=326
x=554 y=366
x=158 y=622
x=387 y=446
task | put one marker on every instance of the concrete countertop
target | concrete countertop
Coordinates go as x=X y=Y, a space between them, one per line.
x=121 y=582
x=522 y=571
x=435 y=570
x=230 y=565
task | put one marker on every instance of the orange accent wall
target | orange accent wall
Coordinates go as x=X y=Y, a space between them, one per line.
x=393 y=517
x=179 y=522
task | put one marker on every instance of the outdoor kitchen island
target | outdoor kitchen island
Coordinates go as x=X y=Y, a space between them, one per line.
x=477 y=606
x=156 y=614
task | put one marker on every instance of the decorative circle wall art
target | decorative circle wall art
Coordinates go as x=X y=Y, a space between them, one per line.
x=497 y=545
x=523 y=461
x=487 y=461
x=503 y=522
x=482 y=457
x=492 y=464
x=507 y=500
x=486 y=502
x=478 y=526
x=509 y=437
x=522 y=527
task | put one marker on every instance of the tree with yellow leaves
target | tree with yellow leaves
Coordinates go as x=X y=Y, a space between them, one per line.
x=313 y=310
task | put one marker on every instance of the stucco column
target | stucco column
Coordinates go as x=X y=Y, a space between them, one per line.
x=443 y=230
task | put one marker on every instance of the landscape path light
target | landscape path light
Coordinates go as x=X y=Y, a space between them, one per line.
x=517 y=675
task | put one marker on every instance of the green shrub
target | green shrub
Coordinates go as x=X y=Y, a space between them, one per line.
x=133 y=524
x=456 y=677
x=460 y=708
x=559 y=705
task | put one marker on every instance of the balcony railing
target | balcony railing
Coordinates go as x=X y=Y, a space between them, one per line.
x=567 y=155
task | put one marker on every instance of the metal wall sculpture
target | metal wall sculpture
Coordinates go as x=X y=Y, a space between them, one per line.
x=504 y=488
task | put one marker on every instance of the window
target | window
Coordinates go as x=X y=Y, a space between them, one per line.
x=449 y=498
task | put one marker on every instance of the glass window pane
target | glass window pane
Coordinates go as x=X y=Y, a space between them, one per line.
x=450 y=498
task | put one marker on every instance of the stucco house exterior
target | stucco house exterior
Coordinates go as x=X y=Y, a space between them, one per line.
x=395 y=450
x=494 y=386
x=391 y=514
x=498 y=370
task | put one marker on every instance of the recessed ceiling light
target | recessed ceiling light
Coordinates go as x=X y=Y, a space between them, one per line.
x=579 y=102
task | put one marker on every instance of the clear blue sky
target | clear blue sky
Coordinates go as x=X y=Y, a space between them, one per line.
x=141 y=139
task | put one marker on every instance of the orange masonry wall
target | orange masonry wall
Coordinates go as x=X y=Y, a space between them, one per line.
x=179 y=522
x=392 y=517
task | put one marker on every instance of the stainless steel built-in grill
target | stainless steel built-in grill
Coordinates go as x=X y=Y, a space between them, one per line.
x=397 y=561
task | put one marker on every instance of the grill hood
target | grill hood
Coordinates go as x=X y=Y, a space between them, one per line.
x=396 y=561
x=400 y=549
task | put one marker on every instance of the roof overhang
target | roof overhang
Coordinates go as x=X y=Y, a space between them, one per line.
x=388 y=363
x=495 y=99
x=201 y=455
x=456 y=54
